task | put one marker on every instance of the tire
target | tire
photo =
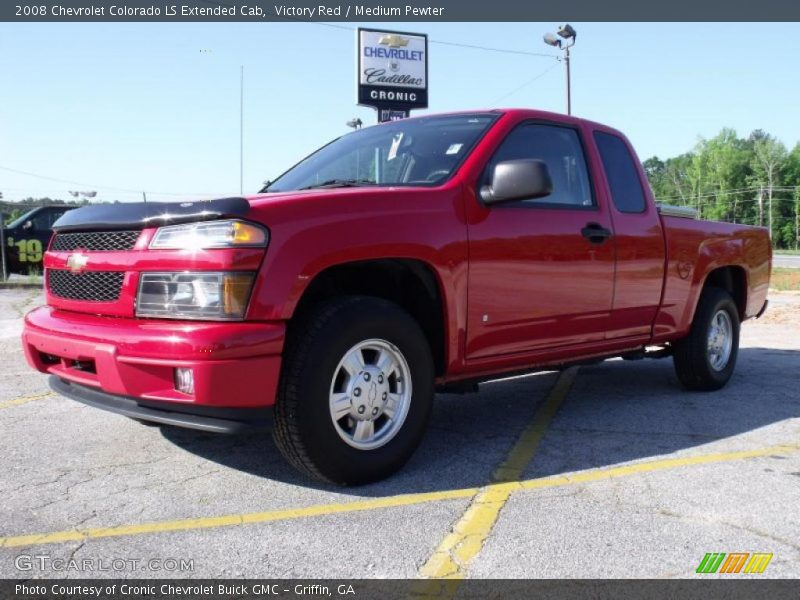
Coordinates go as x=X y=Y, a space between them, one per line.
x=701 y=363
x=317 y=382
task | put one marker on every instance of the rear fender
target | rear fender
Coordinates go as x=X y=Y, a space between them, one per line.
x=712 y=255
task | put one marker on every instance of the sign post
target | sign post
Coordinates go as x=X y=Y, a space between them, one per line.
x=392 y=72
x=3 y=243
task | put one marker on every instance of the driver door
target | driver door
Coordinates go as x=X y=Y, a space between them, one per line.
x=536 y=279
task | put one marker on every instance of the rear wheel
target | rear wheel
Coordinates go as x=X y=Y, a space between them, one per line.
x=706 y=358
x=356 y=391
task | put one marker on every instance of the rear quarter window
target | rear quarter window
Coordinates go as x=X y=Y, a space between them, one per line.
x=621 y=172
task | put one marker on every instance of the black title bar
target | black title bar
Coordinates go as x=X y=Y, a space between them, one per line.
x=393 y=10
x=390 y=589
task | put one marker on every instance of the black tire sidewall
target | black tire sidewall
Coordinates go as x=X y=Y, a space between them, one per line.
x=355 y=322
x=722 y=301
x=695 y=365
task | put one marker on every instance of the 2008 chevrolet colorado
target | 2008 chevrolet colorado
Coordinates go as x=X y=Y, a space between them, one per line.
x=429 y=253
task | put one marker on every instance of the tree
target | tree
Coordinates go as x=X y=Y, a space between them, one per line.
x=790 y=173
x=676 y=172
x=769 y=156
x=718 y=174
x=654 y=168
x=729 y=178
x=669 y=178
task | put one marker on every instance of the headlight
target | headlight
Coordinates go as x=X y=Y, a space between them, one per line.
x=209 y=234
x=200 y=295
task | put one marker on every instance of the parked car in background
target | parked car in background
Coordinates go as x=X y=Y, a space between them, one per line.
x=27 y=237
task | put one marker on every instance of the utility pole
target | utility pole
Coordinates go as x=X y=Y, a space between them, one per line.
x=796 y=217
x=3 y=242
x=769 y=208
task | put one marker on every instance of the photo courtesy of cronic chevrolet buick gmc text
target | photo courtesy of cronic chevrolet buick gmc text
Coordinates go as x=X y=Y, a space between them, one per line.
x=419 y=255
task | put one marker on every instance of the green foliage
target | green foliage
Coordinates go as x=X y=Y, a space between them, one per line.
x=728 y=178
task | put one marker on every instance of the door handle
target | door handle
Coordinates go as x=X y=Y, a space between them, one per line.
x=595 y=233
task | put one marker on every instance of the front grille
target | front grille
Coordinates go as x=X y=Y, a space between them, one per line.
x=98 y=241
x=96 y=286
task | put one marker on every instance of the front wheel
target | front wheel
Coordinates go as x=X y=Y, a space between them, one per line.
x=706 y=358
x=356 y=391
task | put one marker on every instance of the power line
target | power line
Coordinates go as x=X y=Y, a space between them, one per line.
x=785 y=188
x=524 y=85
x=101 y=187
x=438 y=42
x=47 y=177
x=430 y=41
x=457 y=45
x=490 y=49
x=718 y=193
x=696 y=204
x=321 y=24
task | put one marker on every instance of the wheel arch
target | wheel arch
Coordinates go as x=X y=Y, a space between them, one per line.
x=410 y=283
x=732 y=279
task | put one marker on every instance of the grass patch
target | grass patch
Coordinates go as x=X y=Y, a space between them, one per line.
x=785 y=279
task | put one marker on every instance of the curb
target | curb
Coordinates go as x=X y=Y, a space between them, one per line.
x=6 y=285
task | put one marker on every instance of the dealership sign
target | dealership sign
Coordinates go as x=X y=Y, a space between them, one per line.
x=392 y=71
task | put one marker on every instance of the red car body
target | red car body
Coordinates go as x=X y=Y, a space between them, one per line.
x=517 y=289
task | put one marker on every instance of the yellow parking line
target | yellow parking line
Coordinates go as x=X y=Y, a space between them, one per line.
x=321 y=510
x=25 y=399
x=233 y=519
x=457 y=550
x=649 y=467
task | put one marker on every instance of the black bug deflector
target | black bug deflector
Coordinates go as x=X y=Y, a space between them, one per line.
x=139 y=215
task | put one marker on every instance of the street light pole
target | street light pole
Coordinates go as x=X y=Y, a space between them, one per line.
x=569 y=84
x=569 y=35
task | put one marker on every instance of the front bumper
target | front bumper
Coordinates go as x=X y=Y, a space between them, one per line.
x=235 y=365
x=215 y=420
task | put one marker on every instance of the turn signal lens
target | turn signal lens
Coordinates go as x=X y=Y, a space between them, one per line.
x=248 y=234
x=236 y=292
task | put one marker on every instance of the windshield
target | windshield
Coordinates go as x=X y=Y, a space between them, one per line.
x=413 y=152
x=20 y=220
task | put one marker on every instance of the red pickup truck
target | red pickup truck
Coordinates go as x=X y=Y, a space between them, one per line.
x=420 y=255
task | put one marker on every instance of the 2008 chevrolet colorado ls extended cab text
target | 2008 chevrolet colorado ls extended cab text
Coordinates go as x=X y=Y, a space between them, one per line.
x=423 y=254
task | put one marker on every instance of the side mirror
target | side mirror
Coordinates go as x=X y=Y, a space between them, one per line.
x=523 y=179
x=27 y=225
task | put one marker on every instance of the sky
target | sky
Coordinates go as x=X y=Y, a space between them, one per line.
x=126 y=108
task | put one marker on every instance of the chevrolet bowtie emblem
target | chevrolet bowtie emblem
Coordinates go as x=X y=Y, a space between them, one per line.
x=394 y=41
x=77 y=261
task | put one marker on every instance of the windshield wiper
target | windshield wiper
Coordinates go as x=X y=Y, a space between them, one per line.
x=339 y=183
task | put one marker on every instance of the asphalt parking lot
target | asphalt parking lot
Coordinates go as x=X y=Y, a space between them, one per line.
x=603 y=471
